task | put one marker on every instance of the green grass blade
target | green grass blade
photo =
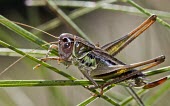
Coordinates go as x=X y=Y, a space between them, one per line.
x=79 y=12
x=34 y=53
x=21 y=31
x=36 y=60
x=157 y=71
x=92 y=98
x=113 y=7
x=155 y=96
x=87 y=101
x=130 y=98
x=67 y=20
x=135 y=96
x=31 y=83
x=146 y=12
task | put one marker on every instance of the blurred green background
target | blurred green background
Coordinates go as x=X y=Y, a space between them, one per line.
x=101 y=26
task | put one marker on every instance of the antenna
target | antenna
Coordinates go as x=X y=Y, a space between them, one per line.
x=32 y=28
x=55 y=42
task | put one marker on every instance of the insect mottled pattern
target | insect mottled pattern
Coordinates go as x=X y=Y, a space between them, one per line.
x=99 y=62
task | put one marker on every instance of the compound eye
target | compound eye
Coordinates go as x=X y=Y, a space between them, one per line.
x=65 y=39
x=67 y=45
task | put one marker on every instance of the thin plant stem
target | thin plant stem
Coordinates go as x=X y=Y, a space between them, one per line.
x=155 y=96
x=31 y=83
x=56 y=10
x=141 y=9
x=130 y=98
x=135 y=96
x=17 y=83
x=35 y=52
x=157 y=71
x=36 y=60
x=113 y=7
x=92 y=98
x=77 y=13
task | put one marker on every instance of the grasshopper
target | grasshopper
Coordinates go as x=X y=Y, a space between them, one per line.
x=99 y=62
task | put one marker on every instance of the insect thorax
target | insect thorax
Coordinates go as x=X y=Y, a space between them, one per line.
x=82 y=55
x=89 y=57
